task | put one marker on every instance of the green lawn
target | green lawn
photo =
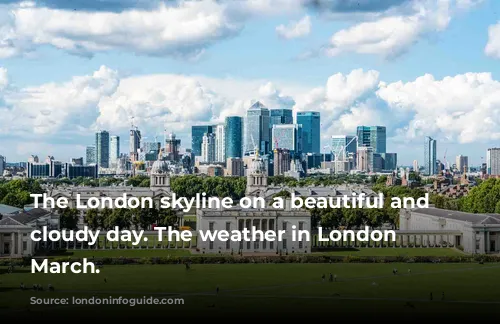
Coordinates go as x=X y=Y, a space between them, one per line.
x=409 y=252
x=253 y=289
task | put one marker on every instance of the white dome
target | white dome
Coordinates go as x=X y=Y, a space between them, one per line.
x=159 y=167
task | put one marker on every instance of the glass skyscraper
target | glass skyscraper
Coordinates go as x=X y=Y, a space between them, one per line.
x=102 y=149
x=234 y=136
x=311 y=127
x=281 y=116
x=372 y=136
x=197 y=133
x=257 y=131
x=430 y=158
x=287 y=137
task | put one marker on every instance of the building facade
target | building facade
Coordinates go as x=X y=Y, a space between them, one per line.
x=288 y=137
x=430 y=156
x=208 y=148
x=114 y=151
x=311 y=128
x=197 y=133
x=374 y=137
x=256 y=129
x=102 y=149
x=493 y=161
x=233 y=127
x=220 y=143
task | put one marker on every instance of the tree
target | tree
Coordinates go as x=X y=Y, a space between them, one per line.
x=167 y=217
x=93 y=219
x=69 y=218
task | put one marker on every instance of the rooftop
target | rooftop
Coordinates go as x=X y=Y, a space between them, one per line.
x=6 y=209
x=460 y=216
x=25 y=217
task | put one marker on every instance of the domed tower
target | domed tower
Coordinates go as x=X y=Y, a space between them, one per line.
x=160 y=178
x=256 y=175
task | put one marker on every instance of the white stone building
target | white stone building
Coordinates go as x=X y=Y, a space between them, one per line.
x=15 y=229
x=475 y=233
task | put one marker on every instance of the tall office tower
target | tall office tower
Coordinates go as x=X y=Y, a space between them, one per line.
x=343 y=144
x=208 y=148
x=2 y=165
x=282 y=161
x=233 y=127
x=33 y=159
x=257 y=131
x=235 y=167
x=493 y=161
x=281 y=116
x=416 y=167
x=462 y=163
x=197 y=133
x=102 y=149
x=135 y=144
x=220 y=143
x=311 y=127
x=90 y=155
x=373 y=136
x=288 y=137
x=172 y=145
x=114 y=150
x=389 y=161
x=365 y=159
x=430 y=156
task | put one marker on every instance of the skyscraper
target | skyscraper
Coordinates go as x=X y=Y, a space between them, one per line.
x=311 y=127
x=493 y=161
x=257 y=131
x=281 y=116
x=430 y=156
x=287 y=137
x=114 y=150
x=102 y=149
x=462 y=163
x=341 y=143
x=365 y=159
x=220 y=143
x=208 y=148
x=90 y=155
x=234 y=136
x=197 y=133
x=172 y=145
x=135 y=144
x=373 y=136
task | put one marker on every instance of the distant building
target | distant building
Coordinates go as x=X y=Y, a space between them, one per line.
x=197 y=133
x=282 y=160
x=72 y=171
x=90 y=157
x=389 y=161
x=220 y=143
x=257 y=129
x=311 y=128
x=2 y=164
x=135 y=144
x=430 y=156
x=462 y=163
x=365 y=159
x=343 y=144
x=235 y=167
x=233 y=137
x=114 y=151
x=493 y=161
x=288 y=137
x=102 y=149
x=374 y=137
x=208 y=148
x=172 y=145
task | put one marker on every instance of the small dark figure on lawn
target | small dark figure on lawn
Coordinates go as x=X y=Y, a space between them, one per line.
x=331 y=277
x=105 y=280
x=323 y=277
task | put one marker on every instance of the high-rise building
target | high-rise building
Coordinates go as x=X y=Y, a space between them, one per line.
x=430 y=156
x=135 y=144
x=343 y=144
x=208 y=148
x=416 y=167
x=365 y=159
x=311 y=128
x=197 y=133
x=2 y=165
x=220 y=143
x=462 y=163
x=102 y=149
x=282 y=161
x=235 y=167
x=288 y=137
x=172 y=145
x=374 y=137
x=90 y=155
x=233 y=127
x=257 y=131
x=114 y=150
x=281 y=116
x=493 y=161
x=389 y=161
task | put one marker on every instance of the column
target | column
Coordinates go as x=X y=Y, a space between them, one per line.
x=1 y=244
x=12 y=244
x=20 y=243
x=487 y=243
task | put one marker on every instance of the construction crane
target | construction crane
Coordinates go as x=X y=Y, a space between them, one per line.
x=342 y=153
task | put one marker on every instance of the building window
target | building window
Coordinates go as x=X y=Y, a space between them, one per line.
x=478 y=245
x=228 y=242
x=211 y=245
x=284 y=244
x=284 y=226
x=211 y=226
x=25 y=245
x=301 y=226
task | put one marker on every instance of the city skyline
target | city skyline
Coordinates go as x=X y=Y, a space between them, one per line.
x=419 y=82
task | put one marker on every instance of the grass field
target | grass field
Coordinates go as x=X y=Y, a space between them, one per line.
x=264 y=289
x=144 y=253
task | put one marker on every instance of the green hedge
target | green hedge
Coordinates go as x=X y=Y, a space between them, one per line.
x=267 y=259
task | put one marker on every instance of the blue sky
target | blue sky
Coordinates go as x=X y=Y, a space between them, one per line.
x=69 y=71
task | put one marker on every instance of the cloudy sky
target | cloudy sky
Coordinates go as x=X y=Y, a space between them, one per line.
x=421 y=68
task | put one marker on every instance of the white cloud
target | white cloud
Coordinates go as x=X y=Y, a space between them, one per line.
x=392 y=35
x=464 y=108
x=295 y=29
x=183 y=30
x=493 y=46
